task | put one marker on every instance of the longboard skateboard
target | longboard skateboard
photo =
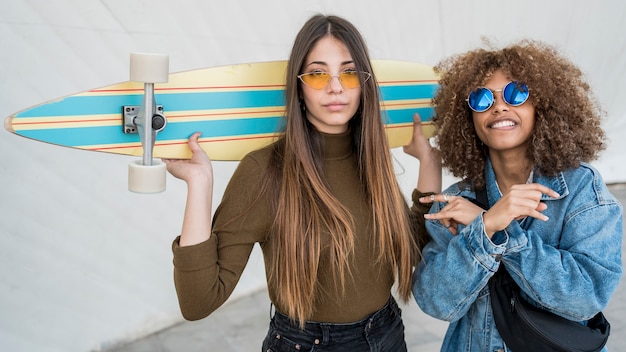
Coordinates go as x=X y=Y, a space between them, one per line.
x=238 y=108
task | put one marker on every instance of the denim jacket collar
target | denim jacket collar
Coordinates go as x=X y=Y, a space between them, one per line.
x=558 y=184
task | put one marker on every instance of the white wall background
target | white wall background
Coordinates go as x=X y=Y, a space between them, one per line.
x=84 y=264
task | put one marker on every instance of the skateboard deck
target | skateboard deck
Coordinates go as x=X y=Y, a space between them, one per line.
x=238 y=108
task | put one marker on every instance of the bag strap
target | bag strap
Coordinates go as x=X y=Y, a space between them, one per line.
x=481 y=198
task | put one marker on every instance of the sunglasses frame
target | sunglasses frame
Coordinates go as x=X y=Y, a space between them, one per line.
x=493 y=98
x=361 y=75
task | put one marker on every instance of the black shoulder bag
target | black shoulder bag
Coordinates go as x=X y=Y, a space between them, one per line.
x=524 y=327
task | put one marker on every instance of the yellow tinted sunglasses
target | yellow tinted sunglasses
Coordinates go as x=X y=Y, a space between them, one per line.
x=348 y=78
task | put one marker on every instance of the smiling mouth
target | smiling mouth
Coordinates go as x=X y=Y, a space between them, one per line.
x=503 y=124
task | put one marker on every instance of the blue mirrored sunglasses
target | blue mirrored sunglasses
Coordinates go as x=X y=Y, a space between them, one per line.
x=514 y=93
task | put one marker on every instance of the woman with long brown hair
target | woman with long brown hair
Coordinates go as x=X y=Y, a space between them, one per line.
x=322 y=201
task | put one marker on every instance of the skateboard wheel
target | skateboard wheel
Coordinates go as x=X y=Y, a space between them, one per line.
x=146 y=178
x=149 y=68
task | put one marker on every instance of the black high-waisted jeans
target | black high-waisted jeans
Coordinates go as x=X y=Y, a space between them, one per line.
x=383 y=331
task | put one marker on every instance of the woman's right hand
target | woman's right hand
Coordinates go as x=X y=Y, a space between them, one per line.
x=197 y=172
x=198 y=166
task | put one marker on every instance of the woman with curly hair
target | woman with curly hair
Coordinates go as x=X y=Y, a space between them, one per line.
x=323 y=203
x=520 y=124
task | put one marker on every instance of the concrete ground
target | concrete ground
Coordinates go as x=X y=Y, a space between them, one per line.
x=241 y=325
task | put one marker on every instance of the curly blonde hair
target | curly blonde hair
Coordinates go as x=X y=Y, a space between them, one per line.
x=568 y=118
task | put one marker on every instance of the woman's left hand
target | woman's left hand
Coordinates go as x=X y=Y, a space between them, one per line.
x=429 y=178
x=419 y=146
x=520 y=201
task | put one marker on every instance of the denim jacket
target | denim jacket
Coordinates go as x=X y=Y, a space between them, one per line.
x=569 y=265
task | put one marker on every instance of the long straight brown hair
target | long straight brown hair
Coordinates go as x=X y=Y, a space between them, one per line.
x=304 y=205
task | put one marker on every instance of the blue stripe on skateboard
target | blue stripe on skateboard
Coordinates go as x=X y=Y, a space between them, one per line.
x=111 y=135
x=408 y=92
x=221 y=128
x=84 y=105
x=111 y=104
x=400 y=116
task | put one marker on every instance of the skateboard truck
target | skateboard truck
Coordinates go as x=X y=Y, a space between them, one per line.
x=131 y=114
x=147 y=175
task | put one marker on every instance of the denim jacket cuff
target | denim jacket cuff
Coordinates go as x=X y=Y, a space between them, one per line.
x=484 y=250
x=517 y=238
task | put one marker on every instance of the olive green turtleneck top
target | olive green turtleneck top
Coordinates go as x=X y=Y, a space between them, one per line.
x=206 y=274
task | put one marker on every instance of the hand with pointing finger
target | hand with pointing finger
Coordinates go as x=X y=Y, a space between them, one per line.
x=458 y=210
x=521 y=201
